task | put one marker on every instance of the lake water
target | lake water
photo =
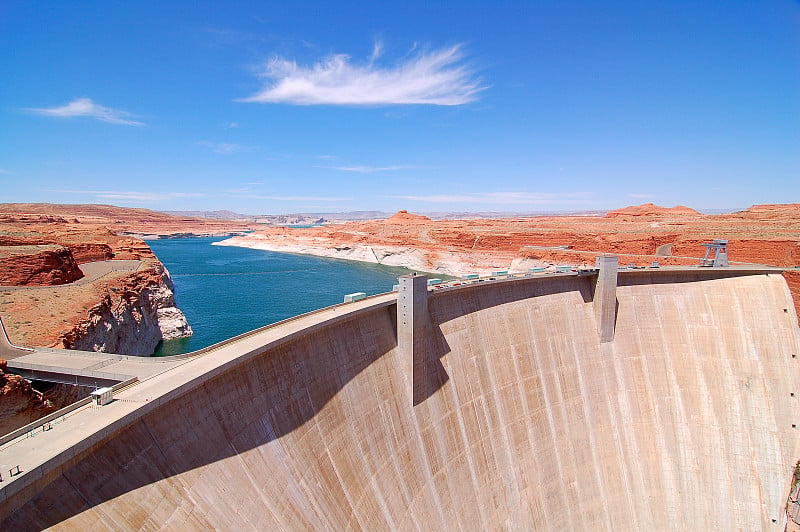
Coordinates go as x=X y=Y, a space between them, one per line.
x=225 y=291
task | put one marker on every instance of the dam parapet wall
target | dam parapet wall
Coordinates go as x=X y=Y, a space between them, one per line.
x=683 y=421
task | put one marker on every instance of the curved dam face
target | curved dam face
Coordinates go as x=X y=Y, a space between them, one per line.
x=683 y=422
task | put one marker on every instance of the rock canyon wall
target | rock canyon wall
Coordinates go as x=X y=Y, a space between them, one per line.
x=124 y=305
x=640 y=235
x=132 y=317
x=67 y=280
x=70 y=277
x=19 y=402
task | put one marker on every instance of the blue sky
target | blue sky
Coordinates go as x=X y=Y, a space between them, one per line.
x=279 y=107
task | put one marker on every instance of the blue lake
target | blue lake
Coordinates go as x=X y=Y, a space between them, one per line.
x=225 y=291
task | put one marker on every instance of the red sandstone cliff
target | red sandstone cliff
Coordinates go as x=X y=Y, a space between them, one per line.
x=19 y=403
x=126 y=309
x=134 y=314
x=405 y=217
x=649 y=210
x=117 y=220
x=765 y=234
x=676 y=232
x=38 y=265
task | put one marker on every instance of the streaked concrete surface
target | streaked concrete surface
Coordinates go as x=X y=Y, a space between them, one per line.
x=683 y=422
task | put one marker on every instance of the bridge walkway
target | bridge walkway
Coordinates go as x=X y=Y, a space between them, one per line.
x=86 y=368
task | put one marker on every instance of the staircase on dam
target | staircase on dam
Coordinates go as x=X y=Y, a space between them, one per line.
x=657 y=399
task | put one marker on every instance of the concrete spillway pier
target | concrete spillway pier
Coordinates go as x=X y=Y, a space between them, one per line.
x=413 y=329
x=686 y=420
x=605 y=296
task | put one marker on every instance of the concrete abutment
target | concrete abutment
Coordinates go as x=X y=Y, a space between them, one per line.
x=682 y=422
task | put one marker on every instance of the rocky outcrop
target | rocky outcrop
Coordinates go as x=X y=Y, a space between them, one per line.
x=19 y=402
x=406 y=217
x=115 y=307
x=770 y=212
x=793 y=502
x=37 y=265
x=650 y=210
x=641 y=235
x=406 y=257
x=132 y=318
x=171 y=320
x=62 y=395
x=91 y=251
x=117 y=219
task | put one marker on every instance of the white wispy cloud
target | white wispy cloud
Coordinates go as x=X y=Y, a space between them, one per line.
x=225 y=148
x=377 y=52
x=121 y=195
x=86 y=107
x=366 y=169
x=503 y=198
x=438 y=77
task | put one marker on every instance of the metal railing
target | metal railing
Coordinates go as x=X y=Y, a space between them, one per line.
x=29 y=430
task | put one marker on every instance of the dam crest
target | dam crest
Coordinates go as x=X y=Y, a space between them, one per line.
x=542 y=402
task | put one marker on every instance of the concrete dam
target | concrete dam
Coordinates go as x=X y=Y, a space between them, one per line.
x=496 y=405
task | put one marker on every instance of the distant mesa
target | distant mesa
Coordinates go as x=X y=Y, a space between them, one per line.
x=651 y=209
x=406 y=217
x=787 y=211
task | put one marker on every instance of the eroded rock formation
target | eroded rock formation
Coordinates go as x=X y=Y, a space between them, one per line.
x=132 y=317
x=124 y=308
x=37 y=265
x=19 y=402
x=640 y=235
x=117 y=220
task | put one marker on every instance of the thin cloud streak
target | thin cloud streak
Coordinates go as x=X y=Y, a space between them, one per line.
x=133 y=195
x=366 y=169
x=86 y=107
x=225 y=148
x=427 y=78
x=502 y=198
